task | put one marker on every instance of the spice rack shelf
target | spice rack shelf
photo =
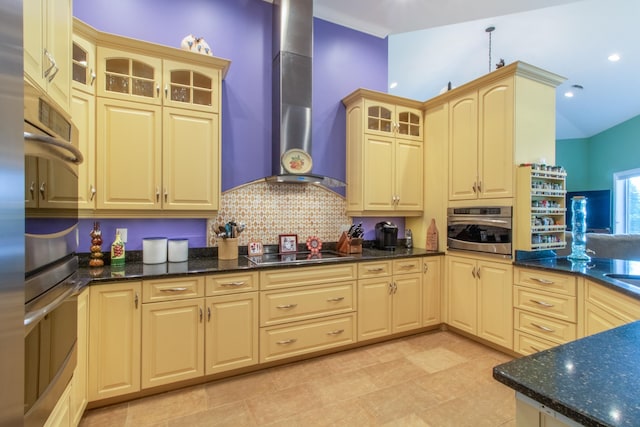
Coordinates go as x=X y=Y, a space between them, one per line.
x=540 y=208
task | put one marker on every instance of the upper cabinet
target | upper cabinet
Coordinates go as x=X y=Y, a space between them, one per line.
x=384 y=154
x=481 y=143
x=47 y=47
x=495 y=122
x=156 y=126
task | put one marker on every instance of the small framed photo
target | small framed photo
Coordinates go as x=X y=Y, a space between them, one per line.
x=255 y=249
x=288 y=243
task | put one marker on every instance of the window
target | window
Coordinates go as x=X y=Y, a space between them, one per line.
x=627 y=201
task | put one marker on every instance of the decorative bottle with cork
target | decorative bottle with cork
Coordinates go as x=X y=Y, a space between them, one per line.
x=96 y=246
x=117 y=251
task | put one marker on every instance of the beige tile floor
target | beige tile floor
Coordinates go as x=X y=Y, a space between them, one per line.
x=434 y=379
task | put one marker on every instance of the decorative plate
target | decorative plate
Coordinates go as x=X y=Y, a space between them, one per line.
x=296 y=161
x=314 y=244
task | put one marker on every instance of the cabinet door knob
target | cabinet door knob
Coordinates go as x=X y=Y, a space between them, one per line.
x=93 y=78
x=93 y=193
x=43 y=190
x=208 y=314
x=201 y=314
x=135 y=300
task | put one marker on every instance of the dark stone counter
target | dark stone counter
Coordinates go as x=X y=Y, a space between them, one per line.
x=205 y=261
x=594 y=380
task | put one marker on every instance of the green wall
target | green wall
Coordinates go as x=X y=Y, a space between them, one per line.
x=591 y=162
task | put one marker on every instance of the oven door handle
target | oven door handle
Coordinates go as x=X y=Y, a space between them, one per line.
x=46 y=139
x=33 y=317
x=504 y=223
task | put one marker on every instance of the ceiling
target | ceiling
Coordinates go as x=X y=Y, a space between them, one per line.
x=448 y=40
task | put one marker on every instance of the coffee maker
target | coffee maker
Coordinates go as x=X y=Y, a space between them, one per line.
x=386 y=235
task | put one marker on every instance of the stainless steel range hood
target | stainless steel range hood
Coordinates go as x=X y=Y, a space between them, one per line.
x=291 y=94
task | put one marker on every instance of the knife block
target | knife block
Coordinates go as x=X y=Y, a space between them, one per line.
x=348 y=245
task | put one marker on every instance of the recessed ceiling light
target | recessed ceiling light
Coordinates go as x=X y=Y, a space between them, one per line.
x=568 y=94
x=393 y=85
x=614 y=57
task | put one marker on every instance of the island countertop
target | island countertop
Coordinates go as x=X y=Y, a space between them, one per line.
x=594 y=380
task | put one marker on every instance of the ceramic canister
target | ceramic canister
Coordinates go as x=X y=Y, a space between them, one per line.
x=178 y=250
x=154 y=250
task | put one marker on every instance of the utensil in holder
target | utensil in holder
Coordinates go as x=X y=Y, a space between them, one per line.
x=349 y=245
x=228 y=248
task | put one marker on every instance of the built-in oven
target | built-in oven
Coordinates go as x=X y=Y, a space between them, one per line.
x=51 y=241
x=486 y=229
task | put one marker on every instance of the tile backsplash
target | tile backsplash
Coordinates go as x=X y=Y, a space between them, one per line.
x=271 y=209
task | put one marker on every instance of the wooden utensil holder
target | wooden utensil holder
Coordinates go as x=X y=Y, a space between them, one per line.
x=349 y=245
x=228 y=248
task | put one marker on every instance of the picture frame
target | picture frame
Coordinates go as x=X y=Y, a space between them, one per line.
x=255 y=248
x=288 y=243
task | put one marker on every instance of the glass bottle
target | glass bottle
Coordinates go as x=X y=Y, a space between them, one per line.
x=579 y=229
x=117 y=251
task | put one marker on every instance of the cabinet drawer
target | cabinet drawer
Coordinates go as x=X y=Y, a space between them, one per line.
x=555 y=330
x=407 y=265
x=538 y=279
x=276 y=279
x=228 y=283
x=367 y=270
x=546 y=303
x=306 y=337
x=526 y=344
x=172 y=289
x=306 y=303
x=619 y=305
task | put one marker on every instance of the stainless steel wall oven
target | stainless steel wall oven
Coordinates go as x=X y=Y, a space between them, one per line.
x=51 y=240
x=480 y=229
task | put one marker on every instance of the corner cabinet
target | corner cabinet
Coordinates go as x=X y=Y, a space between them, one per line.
x=479 y=294
x=499 y=120
x=540 y=208
x=385 y=149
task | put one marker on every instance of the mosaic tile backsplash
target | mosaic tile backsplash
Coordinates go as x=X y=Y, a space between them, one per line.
x=271 y=209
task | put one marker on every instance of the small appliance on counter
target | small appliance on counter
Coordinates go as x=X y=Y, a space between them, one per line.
x=386 y=235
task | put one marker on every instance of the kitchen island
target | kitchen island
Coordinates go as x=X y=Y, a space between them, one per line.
x=594 y=381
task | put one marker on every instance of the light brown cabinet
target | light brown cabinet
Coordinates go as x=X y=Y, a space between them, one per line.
x=431 y=291
x=115 y=339
x=545 y=309
x=392 y=301
x=79 y=396
x=305 y=310
x=606 y=309
x=47 y=30
x=385 y=150
x=479 y=295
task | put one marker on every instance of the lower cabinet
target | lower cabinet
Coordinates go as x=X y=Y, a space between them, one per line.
x=62 y=416
x=231 y=336
x=79 y=397
x=114 y=344
x=545 y=309
x=431 y=285
x=306 y=310
x=606 y=309
x=530 y=413
x=392 y=302
x=480 y=298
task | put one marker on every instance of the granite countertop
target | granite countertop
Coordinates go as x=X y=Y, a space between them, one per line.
x=205 y=261
x=594 y=380
x=595 y=270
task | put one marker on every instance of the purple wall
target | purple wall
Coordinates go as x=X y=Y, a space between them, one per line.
x=240 y=30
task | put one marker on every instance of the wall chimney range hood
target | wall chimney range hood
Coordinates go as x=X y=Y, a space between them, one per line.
x=291 y=94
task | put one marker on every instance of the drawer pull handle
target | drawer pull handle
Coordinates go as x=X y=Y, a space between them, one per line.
x=286 y=306
x=285 y=342
x=336 y=332
x=234 y=284
x=542 y=303
x=408 y=267
x=173 y=289
x=534 y=349
x=336 y=299
x=375 y=270
x=543 y=281
x=542 y=327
